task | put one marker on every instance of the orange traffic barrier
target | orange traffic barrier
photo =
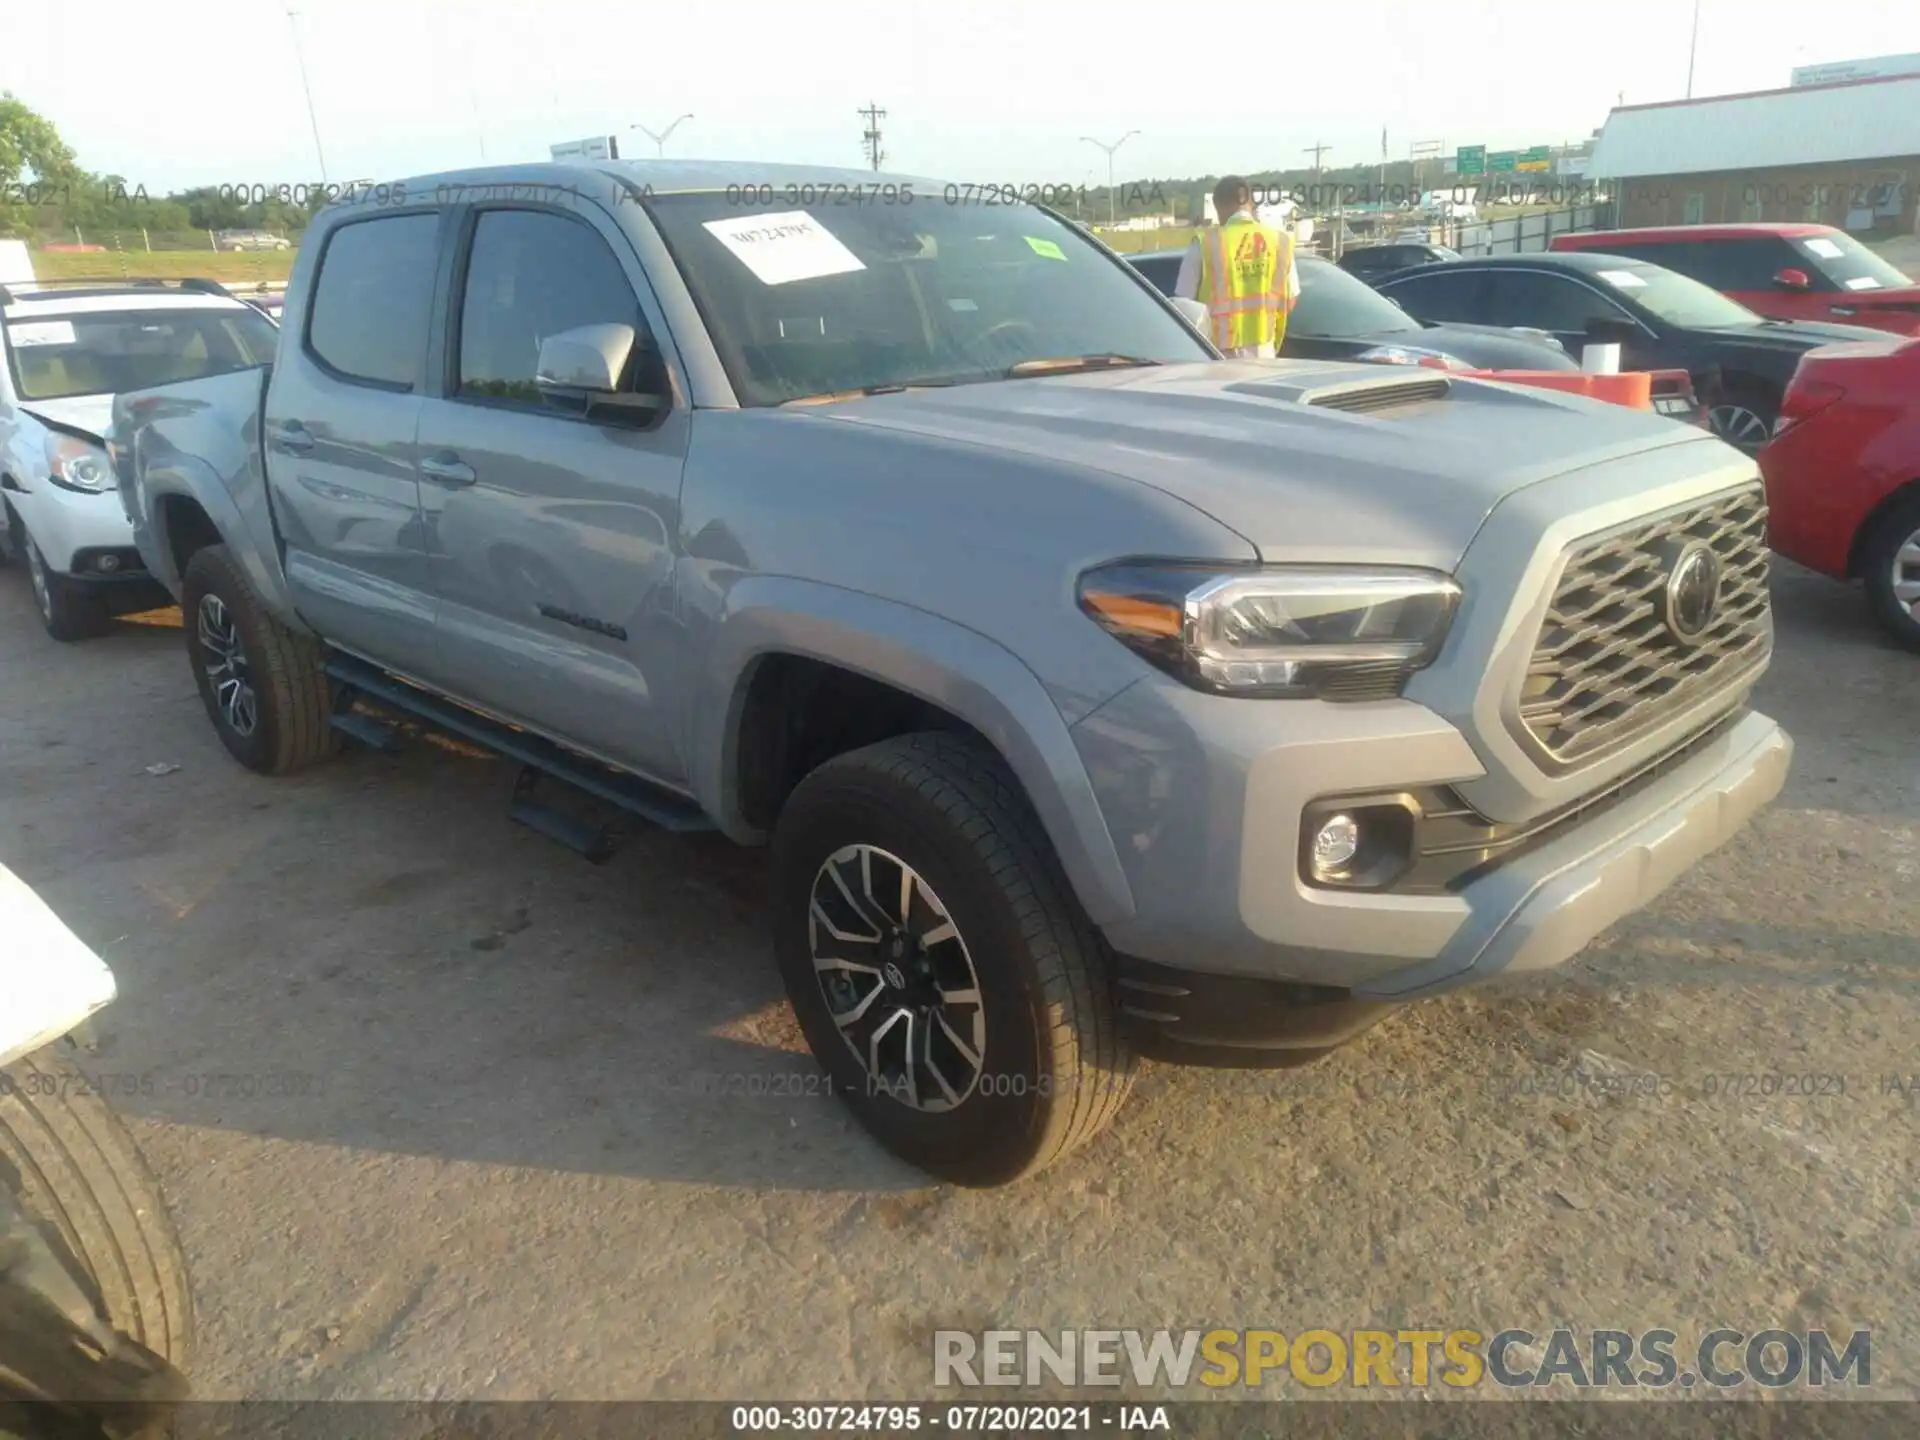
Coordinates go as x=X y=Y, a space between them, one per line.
x=1634 y=388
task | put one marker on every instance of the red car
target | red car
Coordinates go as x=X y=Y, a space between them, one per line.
x=1843 y=474
x=1785 y=272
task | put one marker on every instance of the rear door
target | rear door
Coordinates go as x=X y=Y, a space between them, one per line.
x=551 y=523
x=341 y=414
x=1442 y=293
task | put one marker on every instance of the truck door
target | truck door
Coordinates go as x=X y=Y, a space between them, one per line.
x=550 y=517
x=341 y=413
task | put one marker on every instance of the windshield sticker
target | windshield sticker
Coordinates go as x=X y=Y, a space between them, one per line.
x=41 y=332
x=963 y=306
x=1863 y=282
x=1046 y=249
x=782 y=248
x=1622 y=279
x=1825 y=249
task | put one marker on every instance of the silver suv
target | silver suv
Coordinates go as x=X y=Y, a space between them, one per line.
x=1097 y=696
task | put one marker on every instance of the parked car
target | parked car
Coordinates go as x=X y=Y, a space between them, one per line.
x=1096 y=695
x=66 y=350
x=1739 y=361
x=1371 y=262
x=1783 y=271
x=268 y=303
x=251 y=240
x=1340 y=318
x=1843 y=475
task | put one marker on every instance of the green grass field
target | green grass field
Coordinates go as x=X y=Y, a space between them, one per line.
x=1136 y=242
x=227 y=266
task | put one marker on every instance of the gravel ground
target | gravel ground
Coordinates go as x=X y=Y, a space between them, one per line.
x=457 y=1153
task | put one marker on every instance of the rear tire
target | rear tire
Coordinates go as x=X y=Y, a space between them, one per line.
x=261 y=682
x=77 y=1169
x=980 y=1093
x=1890 y=562
x=69 y=611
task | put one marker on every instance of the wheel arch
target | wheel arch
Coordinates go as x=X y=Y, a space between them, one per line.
x=187 y=508
x=904 y=669
x=1905 y=494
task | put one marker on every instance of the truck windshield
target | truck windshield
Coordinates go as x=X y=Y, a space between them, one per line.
x=838 y=293
x=1848 y=263
x=108 y=352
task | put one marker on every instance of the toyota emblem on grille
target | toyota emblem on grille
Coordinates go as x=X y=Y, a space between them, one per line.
x=1692 y=598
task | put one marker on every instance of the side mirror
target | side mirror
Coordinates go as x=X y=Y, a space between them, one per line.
x=1792 y=279
x=1192 y=311
x=583 y=366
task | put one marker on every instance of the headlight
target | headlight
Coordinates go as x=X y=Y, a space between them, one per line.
x=1331 y=632
x=1413 y=355
x=74 y=464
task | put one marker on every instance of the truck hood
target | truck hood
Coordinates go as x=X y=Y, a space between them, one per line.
x=1306 y=461
x=88 y=414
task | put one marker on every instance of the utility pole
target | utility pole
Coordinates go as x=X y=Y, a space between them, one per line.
x=660 y=140
x=1419 y=153
x=870 y=138
x=1317 y=151
x=1693 y=47
x=293 y=24
x=1110 y=149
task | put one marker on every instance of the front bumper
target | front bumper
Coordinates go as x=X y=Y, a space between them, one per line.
x=1206 y=806
x=72 y=529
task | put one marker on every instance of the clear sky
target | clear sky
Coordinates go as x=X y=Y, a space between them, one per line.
x=189 y=92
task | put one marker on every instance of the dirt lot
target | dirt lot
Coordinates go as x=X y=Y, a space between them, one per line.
x=455 y=1145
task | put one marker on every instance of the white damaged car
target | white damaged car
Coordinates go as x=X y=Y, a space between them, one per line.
x=67 y=352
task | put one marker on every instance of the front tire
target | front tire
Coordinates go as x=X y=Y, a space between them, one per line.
x=1890 y=561
x=942 y=972
x=69 y=612
x=1743 y=416
x=77 y=1169
x=261 y=682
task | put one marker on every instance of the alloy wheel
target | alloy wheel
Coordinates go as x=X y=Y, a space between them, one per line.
x=1906 y=574
x=225 y=659
x=1738 y=425
x=897 y=978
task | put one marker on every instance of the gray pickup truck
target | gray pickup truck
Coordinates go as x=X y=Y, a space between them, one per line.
x=1097 y=696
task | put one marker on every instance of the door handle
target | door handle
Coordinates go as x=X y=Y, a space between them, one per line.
x=294 y=438
x=446 y=468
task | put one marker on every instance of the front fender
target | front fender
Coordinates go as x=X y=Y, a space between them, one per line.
x=957 y=669
x=250 y=537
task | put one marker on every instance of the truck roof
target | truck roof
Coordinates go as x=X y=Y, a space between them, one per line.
x=663 y=176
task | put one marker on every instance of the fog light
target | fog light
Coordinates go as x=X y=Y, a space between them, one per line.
x=107 y=564
x=1335 y=844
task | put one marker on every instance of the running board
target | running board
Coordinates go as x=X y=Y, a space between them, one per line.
x=539 y=758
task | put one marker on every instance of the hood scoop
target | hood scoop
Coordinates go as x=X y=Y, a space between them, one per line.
x=1388 y=395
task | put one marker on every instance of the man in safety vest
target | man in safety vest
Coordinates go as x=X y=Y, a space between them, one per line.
x=1244 y=273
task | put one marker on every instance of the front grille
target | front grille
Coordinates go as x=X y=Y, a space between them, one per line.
x=1609 y=665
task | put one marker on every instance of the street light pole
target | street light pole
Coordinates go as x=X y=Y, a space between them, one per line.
x=293 y=17
x=660 y=140
x=1110 y=149
x=1693 y=47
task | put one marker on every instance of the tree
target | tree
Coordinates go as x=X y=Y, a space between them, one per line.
x=31 y=154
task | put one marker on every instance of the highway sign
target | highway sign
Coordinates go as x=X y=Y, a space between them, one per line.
x=1470 y=160
x=1501 y=160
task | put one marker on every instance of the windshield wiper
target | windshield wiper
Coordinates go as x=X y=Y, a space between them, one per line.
x=1070 y=364
x=827 y=397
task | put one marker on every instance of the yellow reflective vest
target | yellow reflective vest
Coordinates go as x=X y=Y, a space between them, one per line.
x=1243 y=281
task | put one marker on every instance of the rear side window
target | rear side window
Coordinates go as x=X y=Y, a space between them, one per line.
x=533 y=275
x=1546 y=302
x=1441 y=295
x=370 y=307
x=1163 y=271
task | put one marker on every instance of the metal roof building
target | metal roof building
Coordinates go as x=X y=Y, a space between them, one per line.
x=1767 y=129
x=1846 y=154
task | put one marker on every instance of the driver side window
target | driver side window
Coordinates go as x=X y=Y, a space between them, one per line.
x=531 y=275
x=1547 y=302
